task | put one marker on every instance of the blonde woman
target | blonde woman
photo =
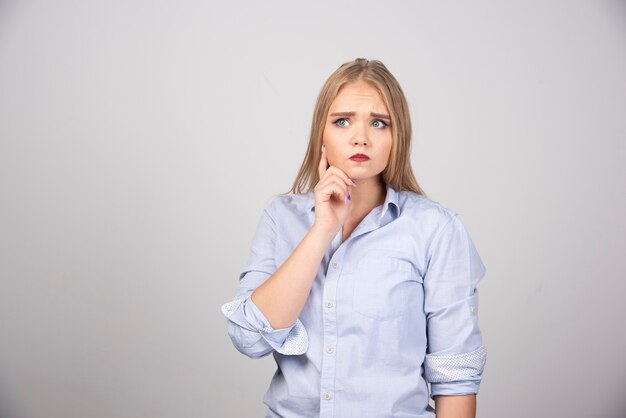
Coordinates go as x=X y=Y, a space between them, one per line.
x=363 y=289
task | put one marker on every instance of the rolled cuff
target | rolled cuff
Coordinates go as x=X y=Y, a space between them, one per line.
x=455 y=367
x=292 y=340
x=454 y=388
x=458 y=374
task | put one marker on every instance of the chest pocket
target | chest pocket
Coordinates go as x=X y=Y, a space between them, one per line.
x=385 y=285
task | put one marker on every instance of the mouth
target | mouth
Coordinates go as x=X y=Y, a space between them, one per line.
x=359 y=157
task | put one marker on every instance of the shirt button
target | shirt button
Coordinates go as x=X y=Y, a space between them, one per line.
x=327 y=395
x=330 y=349
x=329 y=304
x=335 y=264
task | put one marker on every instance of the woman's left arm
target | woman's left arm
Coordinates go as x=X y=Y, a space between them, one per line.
x=455 y=354
x=462 y=406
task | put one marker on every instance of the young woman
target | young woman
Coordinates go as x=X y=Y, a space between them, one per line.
x=362 y=288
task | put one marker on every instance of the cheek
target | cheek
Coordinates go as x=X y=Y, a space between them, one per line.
x=387 y=154
x=332 y=160
x=331 y=148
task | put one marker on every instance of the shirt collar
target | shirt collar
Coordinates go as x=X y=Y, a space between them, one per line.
x=390 y=199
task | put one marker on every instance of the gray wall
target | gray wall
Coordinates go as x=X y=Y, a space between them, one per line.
x=140 y=140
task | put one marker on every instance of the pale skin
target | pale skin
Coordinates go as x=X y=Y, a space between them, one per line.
x=357 y=122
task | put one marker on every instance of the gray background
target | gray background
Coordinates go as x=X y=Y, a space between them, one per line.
x=140 y=141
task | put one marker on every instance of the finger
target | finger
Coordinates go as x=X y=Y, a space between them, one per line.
x=334 y=171
x=323 y=165
x=332 y=190
x=341 y=174
x=341 y=190
x=334 y=182
x=331 y=186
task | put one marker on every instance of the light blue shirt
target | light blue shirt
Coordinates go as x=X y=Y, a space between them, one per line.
x=392 y=309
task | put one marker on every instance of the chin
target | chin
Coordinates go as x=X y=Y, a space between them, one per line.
x=364 y=176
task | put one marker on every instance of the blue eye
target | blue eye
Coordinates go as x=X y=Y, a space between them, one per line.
x=379 y=124
x=341 y=122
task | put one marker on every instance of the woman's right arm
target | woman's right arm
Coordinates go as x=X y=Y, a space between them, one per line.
x=282 y=297
x=276 y=302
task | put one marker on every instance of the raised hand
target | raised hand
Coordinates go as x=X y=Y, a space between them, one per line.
x=282 y=296
x=332 y=196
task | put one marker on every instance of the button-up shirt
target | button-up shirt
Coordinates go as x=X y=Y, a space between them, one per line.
x=393 y=310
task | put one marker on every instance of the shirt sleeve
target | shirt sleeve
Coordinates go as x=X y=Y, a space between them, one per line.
x=248 y=328
x=455 y=355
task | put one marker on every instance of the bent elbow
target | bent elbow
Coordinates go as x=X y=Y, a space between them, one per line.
x=247 y=342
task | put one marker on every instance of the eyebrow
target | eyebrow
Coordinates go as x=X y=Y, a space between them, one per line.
x=375 y=115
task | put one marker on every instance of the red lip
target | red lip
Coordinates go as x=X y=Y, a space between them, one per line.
x=360 y=157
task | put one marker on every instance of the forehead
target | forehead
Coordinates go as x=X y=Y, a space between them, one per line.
x=358 y=96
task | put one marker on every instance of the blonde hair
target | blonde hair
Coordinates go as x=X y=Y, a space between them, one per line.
x=398 y=173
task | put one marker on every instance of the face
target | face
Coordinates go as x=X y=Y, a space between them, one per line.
x=358 y=122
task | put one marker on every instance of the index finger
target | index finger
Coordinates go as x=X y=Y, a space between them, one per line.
x=323 y=165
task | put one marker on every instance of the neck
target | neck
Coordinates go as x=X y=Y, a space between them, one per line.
x=367 y=195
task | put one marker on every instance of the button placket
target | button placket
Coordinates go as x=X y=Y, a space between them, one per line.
x=329 y=320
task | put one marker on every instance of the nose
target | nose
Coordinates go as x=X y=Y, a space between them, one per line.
x=360 y=138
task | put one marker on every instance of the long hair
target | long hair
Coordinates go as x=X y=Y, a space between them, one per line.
x=398 y=173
